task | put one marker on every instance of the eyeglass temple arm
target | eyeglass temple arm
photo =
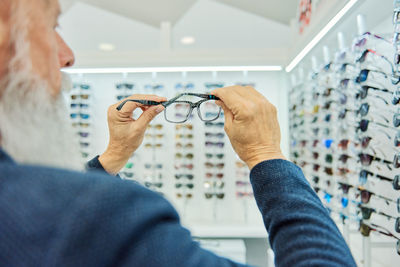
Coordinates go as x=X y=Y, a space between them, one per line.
x=143 y=102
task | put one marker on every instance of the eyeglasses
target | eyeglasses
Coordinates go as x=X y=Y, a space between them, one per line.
x=183 y=136
x=128 y=86
x=182 y=126
x=79 y=105
x=150 y=185
x=155 y=126
x=215 y=124
x=215 y=144
x=129 y=165
x=148 y=145
x=187 y=176
x=82 y=96
x=187 y=156
x=180 y=86
x=217 y=195
x=216 y=175
x=218 y=156
x=366 y=196
x=217 y=184
x=187 y=107
x=188 y=196
x=154 y=87
x=186 y=146
x=366 y=159
x=159 y=136
x=84 y=134
x=153 y=166
x=345 y=187
x=184 y=166
x=363 y=177
x=190 y=186
x=215 y=135
x=209 y=165
x=81 y=115
x=128 y=174
x=365 y=230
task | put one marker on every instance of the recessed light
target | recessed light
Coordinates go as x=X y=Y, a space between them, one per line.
x=106 y=47
x=188 y=40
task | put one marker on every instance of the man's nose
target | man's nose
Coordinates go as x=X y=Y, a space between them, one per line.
x=65 y=54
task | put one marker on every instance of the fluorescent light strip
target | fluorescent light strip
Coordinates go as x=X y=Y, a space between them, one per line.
x=320 y=35
x=172 y=69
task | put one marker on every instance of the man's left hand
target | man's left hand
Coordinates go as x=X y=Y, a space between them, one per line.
x=126 y=133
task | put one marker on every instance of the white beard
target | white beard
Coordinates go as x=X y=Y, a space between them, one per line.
x=34 y=127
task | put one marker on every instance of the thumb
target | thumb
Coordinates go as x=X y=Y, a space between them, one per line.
x=149 y=114
x=227 y=112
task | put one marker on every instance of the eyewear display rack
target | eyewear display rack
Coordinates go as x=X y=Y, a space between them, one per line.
x=343 y=126
x=192 y=164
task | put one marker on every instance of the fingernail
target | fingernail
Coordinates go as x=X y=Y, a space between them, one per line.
x=159 y=109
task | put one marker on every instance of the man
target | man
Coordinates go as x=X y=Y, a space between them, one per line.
x=55 y=217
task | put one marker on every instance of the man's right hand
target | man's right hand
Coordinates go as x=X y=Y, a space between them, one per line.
x=251 y=123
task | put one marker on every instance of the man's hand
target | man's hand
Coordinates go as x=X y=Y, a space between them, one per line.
x=126 y=134
x=251 y=123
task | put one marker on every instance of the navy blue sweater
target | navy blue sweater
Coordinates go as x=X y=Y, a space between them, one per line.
x=51 y=217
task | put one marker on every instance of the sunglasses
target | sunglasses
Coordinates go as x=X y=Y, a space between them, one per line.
x=365 y=230
x=215 y=135
x=180 y=86
x=180 y=195
x=159 y=136
x=156 y=126
x=82 y=96
x=184 y=136
x=184 y=126
x=80 y=124
x=187 y=146
x=148 y=145
x=244 y=194
x=187 y=156
x=128 y=174
x=128 y=86
x=184 y=166
x=217 y=195
x=152 y=185
x=213 y=85
x=215 y=124
x=209 y=165
x=81 y=115
x=190 y=186
x=121 y=97
x=366 y=197
x=218 y=156
x=84 y=144
x=154 y=87
x=153 y=166
x=363 y=177
x=82 y=106
x=187 y=176
x=345 y=187
x=216 y=184
x=216 y=175
x=215 y=144
x=129 y=165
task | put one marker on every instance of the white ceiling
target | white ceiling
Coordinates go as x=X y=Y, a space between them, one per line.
x=222 y=31
x=153 y=12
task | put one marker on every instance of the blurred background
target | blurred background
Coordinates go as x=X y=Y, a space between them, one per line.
x=292 y=51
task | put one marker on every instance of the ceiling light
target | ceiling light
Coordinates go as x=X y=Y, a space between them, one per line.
x=106 y=47
x=320 y=35
x=188 y=40
x=173 y=69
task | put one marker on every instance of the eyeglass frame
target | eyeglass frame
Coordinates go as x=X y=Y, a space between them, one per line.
x=173 y=100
